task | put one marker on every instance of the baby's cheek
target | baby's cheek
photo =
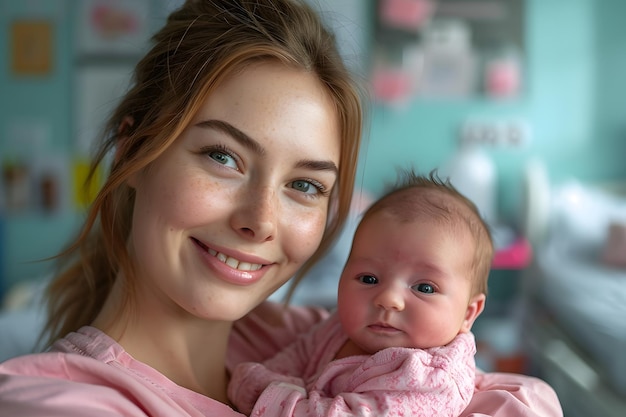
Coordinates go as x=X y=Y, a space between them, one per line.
x=350 y=312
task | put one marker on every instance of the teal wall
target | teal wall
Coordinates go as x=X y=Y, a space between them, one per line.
x=31 y=98
x=27 y=236
x=574 y=101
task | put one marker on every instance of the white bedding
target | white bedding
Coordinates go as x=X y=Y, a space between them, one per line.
x=22 y=318
x=586 y=296
x=588 y=301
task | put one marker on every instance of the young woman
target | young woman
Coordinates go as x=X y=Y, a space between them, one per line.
x=240 y=127
x=239 y=135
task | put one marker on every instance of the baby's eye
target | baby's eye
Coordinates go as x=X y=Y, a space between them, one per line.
x=424 y=288
x=368 y=279
x=223 y=158
x=308 y=187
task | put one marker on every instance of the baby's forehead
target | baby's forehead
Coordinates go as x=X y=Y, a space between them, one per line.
x=419 y=203
x=433 y=194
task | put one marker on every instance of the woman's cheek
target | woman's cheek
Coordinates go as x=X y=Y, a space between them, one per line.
x=195 y=203
x=305 y=236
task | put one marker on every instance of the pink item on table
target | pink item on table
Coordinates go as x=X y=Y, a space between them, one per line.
x=515 y=256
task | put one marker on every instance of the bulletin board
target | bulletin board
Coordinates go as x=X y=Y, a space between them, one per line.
x=32 y=47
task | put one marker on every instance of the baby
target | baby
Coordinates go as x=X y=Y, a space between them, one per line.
x=400 y=342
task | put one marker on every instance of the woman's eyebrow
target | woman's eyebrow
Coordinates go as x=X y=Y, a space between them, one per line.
x=250 y=143
x=235 y=133
x=318 y=165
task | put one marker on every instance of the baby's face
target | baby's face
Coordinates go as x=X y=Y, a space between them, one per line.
x=407 y=285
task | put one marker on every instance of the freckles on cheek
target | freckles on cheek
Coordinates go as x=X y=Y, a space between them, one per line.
x=306 y=236
x=193 y=202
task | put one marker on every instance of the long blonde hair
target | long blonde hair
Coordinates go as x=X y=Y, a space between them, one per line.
x=201 y=43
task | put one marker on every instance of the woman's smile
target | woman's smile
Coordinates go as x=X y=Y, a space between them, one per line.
x=229 y=260
x=229 y=268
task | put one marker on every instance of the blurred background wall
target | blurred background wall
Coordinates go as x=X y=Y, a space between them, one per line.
x=569 y=102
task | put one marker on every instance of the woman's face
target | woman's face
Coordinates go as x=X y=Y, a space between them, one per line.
x=235 y=206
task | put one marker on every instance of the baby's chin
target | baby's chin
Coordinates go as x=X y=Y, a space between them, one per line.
x=370 y=348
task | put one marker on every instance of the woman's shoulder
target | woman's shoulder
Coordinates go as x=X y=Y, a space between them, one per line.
x=512 y=395
x=61 y=383
x=87 y=373
x=86 y=351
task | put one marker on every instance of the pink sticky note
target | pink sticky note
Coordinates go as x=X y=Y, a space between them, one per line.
x=405 y=14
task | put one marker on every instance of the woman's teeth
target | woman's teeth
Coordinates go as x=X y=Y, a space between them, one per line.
x=234 y=263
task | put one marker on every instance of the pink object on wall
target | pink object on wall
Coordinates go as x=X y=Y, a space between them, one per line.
x=405 y=14
x=392 y=85
x=110 y=22
x=502 y=78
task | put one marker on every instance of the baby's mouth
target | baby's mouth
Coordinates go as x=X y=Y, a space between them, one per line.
x=383 y=327
x=229 y=260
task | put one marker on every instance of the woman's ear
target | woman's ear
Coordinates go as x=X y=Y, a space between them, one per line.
x=121 y=147
x=474 y=308
x=122 y=135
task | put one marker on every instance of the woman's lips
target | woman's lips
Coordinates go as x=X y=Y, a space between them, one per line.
x=231 y=269
x=229 y=260
x=235 y=263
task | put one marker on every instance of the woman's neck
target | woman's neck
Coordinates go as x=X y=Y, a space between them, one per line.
x=189 y=351
x=192 y=356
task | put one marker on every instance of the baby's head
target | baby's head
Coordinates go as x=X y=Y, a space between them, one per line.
x=417 y=272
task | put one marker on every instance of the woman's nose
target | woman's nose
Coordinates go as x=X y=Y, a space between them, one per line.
x=256 y=214
x=390 y=297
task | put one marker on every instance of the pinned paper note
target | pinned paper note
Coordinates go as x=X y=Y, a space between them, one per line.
x=84 y=193
x=406 y=14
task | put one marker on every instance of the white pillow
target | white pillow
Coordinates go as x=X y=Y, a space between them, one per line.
x=581 y=215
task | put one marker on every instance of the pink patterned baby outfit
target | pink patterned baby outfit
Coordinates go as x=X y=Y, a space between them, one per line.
x=393 y=382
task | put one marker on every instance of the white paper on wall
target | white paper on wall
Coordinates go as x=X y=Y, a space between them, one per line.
x=97 y=91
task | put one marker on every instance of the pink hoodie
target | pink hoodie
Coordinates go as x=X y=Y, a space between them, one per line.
x=89 y=374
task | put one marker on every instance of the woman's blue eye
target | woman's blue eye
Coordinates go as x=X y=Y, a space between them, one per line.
x=424 y=288
x=303 y=186
x=308 y=187
x=223 y=158
x=368 y=279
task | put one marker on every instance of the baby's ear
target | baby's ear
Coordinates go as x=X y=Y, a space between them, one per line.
x=474 y=308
